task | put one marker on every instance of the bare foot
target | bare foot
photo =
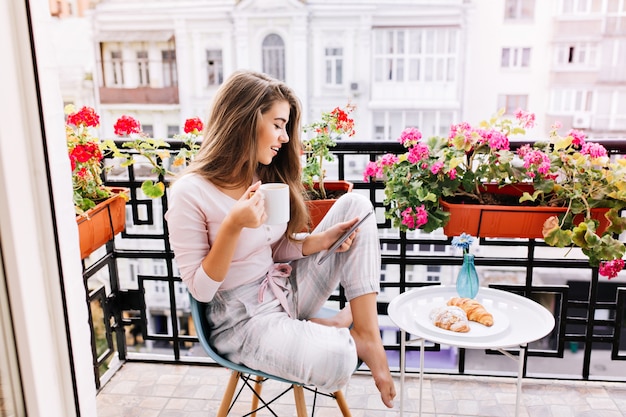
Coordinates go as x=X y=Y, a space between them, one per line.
x=372 y=352
x=387 y=389
x=341 y=319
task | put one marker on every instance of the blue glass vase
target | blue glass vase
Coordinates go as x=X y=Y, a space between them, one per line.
x=467 y=281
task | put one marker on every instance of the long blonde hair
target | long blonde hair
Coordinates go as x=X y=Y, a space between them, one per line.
x=228 y=154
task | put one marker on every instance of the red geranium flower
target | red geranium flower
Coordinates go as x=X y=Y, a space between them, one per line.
x=193 y=125
x=84 y=117
x=126 y=125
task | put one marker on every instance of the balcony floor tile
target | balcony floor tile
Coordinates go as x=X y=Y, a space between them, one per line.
x=164 y=390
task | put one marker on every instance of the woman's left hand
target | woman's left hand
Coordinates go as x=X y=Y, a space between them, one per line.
x=335 y=232
x=318 y=242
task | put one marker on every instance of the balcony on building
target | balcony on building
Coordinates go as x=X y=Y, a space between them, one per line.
x=140 y=313
x=142 y=72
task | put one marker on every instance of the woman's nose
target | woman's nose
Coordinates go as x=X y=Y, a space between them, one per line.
x=284 y=137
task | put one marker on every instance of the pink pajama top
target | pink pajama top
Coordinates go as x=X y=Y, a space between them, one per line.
x=196 y=210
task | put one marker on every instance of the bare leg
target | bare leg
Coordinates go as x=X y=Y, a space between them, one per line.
x=341 y=319
x=369 y=346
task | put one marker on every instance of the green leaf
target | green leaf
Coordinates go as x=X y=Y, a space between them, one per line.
x=527 y=197
x=558 y=238
x=584 y=235
x=618 y=223
x=152 y=189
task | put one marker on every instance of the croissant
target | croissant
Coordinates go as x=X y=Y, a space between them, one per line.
x=474 y=310
x=450 y=318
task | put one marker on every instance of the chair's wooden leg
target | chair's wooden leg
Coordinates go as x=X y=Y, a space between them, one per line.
x=228 y=394
x=298 y=394
x=342 y=404
x=255 y=398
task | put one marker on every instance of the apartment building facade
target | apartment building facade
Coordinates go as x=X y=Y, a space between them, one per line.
x=402 y=63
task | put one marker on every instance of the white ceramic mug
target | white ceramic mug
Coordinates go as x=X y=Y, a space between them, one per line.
x=276 y=202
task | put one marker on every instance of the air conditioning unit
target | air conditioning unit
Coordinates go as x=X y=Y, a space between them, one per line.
x=581 y=120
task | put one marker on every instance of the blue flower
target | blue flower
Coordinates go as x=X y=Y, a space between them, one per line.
x=464 y=241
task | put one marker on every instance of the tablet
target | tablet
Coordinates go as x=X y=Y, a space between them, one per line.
x=342 y=239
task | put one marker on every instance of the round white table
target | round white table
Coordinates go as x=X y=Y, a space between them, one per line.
x=517 y=322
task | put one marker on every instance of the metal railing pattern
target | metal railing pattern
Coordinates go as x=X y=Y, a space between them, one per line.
x=589 y=312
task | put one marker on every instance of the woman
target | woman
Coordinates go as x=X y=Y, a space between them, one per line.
x=260 y=307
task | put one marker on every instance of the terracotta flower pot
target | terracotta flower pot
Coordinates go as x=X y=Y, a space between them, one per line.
x=506 y=221
x=102 y=222
x=319 y=208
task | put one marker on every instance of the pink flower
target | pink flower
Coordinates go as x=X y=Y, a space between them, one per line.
x=414 y=220
x=578 y=137
x=436 y=167
x=388 y=159
x=595 y=150
x=464 y=129
x=418 y=153
x=452 y=173
x=410 y=136
x=526 y=119
x=610 y=269
x=523 y=150
x=421 y=215
x=372 y=169
x=459 y=127
x=497 y=140
x=534 y=159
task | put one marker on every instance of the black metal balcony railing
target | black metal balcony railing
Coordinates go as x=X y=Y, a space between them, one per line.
x=140 y=311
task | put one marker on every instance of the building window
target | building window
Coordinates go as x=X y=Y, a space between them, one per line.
x=117 y=67
x=515 y=58
x=147 y=129
x=172 y=130
x=143 y=65
x=512 y=103
x=519 y=9
x=170 y=76
x=576 y=54
x=334 y=66
x=575 y=6
x=388 y=124
x=402 y=55
x=274 y=56
x=433 y=273
x=570 y=101
x=215 y=67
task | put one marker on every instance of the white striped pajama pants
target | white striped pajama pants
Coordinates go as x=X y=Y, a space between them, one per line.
x=262 y=336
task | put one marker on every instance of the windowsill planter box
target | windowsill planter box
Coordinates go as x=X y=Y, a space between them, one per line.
x=506 y=221
x=102 y=223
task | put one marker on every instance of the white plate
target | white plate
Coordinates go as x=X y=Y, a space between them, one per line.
x=477 y=330
x=527 y=320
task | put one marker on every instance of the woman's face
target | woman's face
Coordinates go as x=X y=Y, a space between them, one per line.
x=271 y=133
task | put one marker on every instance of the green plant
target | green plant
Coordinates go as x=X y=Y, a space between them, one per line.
x=155 y=151
x=85 y=151
x=333 y=125
x=565 y=171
